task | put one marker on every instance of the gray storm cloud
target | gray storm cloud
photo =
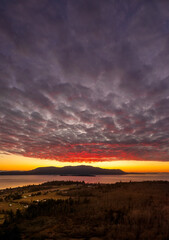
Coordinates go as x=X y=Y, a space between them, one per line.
x=85 y=79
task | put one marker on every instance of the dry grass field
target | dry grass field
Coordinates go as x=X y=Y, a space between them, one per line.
x=67 y=210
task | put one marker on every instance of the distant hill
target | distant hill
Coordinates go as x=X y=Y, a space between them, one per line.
x=82 y=170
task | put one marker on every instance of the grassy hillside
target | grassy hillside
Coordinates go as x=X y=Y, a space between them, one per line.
x=121 y=211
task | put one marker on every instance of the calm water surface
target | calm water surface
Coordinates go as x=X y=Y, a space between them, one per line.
x=19 y=181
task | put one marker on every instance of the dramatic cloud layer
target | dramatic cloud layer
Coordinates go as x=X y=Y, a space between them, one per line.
x=84 y=80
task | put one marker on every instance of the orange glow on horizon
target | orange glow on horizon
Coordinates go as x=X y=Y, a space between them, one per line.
x=17 y=162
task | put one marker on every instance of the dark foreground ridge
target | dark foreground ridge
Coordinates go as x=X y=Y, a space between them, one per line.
x=77 y=210
x=71 y=170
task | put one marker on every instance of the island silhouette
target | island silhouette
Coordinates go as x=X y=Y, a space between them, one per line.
x=81 y=170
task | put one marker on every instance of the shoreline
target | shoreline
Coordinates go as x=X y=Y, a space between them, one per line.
x=75 y=182
x=13 y=181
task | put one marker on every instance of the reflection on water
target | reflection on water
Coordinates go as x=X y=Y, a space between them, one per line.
x=16 y=181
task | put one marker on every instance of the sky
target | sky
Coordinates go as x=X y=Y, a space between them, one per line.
x=84 y=82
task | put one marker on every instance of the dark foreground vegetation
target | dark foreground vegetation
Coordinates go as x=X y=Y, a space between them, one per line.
x=121 y=211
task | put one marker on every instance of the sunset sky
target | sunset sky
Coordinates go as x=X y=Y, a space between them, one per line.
x=84 y=82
